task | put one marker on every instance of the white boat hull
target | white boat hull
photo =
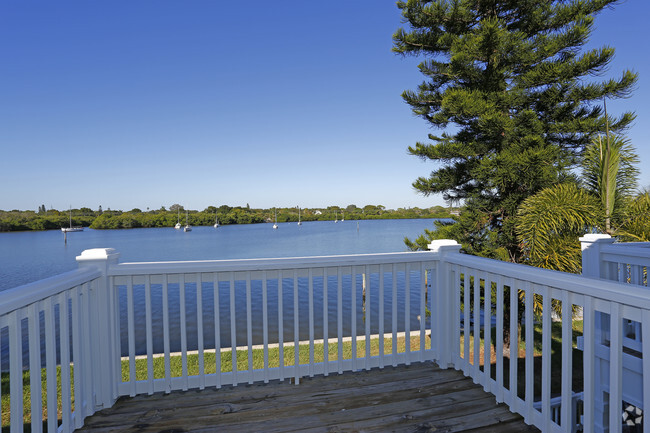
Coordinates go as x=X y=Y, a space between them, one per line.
x=72 y=229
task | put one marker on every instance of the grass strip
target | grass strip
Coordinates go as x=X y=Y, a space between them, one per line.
x=274 y=356
x=193 y=369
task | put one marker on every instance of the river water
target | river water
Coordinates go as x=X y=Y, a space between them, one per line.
x=30 y=256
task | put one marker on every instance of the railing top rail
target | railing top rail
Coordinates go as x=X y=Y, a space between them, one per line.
x=27 y=294
x=177 y=267
x=621 y=293
x=638 y=250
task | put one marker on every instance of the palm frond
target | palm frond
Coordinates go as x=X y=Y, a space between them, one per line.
x=550 y=221
x=635 y=224
x=609 y=172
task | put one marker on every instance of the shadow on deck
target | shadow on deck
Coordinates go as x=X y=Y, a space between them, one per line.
x=416 y=398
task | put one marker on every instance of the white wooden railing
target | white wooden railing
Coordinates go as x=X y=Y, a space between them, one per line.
x=626 y=263
x=35 y=338
x=113 y=322
x=395 y=283
x=623 y=262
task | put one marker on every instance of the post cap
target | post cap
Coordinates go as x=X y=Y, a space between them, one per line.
x=442 y=243
x=98 y=254
x=597 y=237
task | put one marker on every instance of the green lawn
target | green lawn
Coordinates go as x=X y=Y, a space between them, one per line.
x=556 y=358
x=210 y=368
x=258 y=363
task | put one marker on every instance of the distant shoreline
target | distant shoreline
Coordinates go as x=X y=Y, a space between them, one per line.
x=11 y=221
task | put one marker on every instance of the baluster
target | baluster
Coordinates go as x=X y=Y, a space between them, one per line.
x=394 y=314
x=514 y=341
x=615 y=369
x=340 y=318
x=148 y=326
x=487 y=332
x=87 y=358
x=77 y=356
x=166 y=346
x=114 y=322
x=381 y=316
x=35 y=367
x=16 y=374
x=466 y=320
x=296 y=329
x=199 y=329
x=567 y=407
x=353 y=318
x=233 y=330
x=50 y=370
x=588 y=362
x=280 y=327
x=499 y=338
x=217 y=328
x=183 y=311
x=622 y=273
x=407 y=313
x=455 y=317
x=423 y=315
x=265 y=326
x=530 y=351
x=311 y=321
x=325 y=325
x=546 y=359
x=66 y=383
x=249 y=327
x=476 y=315
x=366 y=300
x=645 y=323
x=131 y=333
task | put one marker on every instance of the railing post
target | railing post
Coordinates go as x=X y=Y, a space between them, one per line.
x=591 y=245
x=443 y=308
x=101 y=326
x=593 y=267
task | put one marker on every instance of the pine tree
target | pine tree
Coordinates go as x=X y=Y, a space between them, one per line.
x=517 y=98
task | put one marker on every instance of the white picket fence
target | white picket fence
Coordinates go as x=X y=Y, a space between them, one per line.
x=107 y=316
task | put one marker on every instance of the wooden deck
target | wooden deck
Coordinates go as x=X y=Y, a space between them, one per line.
x=417 y=398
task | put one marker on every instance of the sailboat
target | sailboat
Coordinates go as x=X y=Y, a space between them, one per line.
x=71 y=229
x=336 y=217
x=299 y=222
x=275 y=224
x=342 y=217
x=178 y=223
x=188 y=227
x=216 y=220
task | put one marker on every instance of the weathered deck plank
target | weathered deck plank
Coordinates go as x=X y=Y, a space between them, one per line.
x=418 y=398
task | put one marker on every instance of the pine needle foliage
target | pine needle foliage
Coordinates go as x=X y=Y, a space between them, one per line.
x=517 y=100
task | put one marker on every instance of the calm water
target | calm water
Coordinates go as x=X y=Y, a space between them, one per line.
x=31 y=256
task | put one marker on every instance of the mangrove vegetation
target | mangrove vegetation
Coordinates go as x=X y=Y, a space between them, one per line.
x=50 y=219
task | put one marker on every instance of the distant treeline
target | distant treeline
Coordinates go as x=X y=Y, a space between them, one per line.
x=47 y=219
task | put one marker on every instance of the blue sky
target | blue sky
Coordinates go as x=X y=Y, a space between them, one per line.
x=149 y=103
